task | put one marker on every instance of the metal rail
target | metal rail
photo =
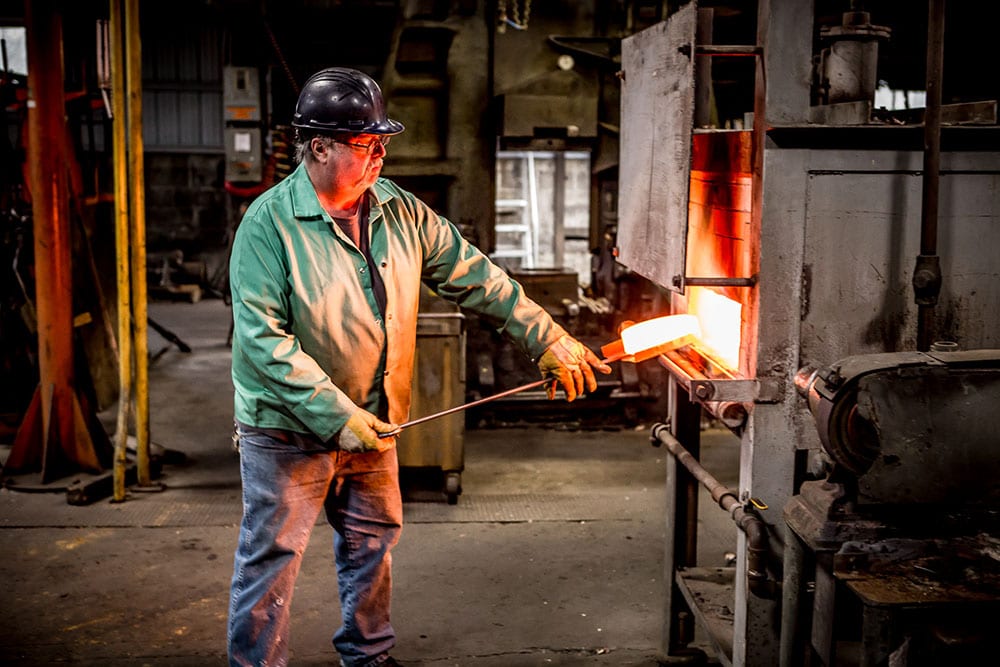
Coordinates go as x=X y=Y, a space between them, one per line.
x=758 y=581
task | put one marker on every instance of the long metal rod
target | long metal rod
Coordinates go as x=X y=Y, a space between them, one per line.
x=720 y=492
x=466 y=406
x=118 y=160
x=928 y=263
x=932 y=128
x=481 y=401
x=719 y=282
x=137 y=199
x=727 y=50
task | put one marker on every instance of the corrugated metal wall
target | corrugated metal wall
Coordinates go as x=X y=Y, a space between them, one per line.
x=182 y=88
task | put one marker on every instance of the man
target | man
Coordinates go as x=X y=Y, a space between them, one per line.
x=326 y=272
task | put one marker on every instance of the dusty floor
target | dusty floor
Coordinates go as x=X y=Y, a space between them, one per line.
x=552 y=555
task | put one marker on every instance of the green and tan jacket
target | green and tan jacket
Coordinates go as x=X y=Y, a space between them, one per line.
x=309 y=342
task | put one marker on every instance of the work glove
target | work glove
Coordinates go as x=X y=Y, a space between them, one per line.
x=572 y=364
x=360 y=433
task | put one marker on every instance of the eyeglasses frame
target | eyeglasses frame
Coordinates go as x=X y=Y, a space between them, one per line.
x=368 y=148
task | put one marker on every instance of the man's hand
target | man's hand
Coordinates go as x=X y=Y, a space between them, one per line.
x=572 y=364
x=360 y=433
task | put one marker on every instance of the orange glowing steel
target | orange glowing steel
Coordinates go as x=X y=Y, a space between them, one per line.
x=719 y=319
x=658 y=332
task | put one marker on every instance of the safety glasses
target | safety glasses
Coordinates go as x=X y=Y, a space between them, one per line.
x=367 y=147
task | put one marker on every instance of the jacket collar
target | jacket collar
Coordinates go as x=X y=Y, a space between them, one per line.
x=305 y=203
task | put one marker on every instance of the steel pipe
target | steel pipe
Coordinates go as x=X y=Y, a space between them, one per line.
x=696 y=281
x=728 y=50
x=118 y=161
x=927 y=273
x=137 y=202
x=753 y=526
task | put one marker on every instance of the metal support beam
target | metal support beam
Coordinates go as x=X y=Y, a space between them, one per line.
x=119 y=157
x=927 y=274
x=681 y=543
x=137 y=201
x=54 y=436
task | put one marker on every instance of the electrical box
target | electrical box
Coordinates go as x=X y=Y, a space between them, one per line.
x=241 y=94
x=242 y=116
x=243 y=154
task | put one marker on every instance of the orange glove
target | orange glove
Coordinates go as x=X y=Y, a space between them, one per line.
x=360 y=433
x=572 y=364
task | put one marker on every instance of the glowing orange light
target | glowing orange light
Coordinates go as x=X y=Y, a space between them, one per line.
x=719 y=319
x=645 y=340
x=658 y=332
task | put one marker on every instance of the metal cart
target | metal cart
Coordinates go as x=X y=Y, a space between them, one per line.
x=438 y=446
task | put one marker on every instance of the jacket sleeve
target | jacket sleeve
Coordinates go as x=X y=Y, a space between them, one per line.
x=458 y=271
x=269 y=364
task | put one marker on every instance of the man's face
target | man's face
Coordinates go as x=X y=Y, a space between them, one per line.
x=355 y=162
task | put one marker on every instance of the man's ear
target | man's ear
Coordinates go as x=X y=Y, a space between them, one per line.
x=318 y=147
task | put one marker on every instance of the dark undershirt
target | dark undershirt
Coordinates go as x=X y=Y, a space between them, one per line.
x=356 y=227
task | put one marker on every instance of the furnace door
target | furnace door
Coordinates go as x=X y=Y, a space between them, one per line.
x=657 y=112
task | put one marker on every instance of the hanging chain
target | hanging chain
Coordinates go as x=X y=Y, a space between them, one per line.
x=518 y=15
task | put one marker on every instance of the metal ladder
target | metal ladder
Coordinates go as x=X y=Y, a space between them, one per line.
x=525 y=209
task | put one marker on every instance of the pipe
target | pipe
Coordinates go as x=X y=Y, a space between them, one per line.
x=696 y=281
x=732 y=414
x=137 y=200
x=751 y=524
x=121 y=252
x=727 y=50
x=927 y=273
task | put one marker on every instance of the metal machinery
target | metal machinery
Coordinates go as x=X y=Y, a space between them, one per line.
x=901 y=538
x=866 y=510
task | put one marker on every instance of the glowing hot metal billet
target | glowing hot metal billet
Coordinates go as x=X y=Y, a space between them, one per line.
x=638 y=342
x=645 y=340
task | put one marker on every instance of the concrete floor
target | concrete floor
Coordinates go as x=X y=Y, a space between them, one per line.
x=552 y=555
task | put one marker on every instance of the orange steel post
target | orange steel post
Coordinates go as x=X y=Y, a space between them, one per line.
x=60 y=439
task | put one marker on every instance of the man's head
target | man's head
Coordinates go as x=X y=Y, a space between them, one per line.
x=343 y=100
x=341 y=125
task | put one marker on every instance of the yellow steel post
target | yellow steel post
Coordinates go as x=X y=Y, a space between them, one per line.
x=121 y=249
x=133 y=55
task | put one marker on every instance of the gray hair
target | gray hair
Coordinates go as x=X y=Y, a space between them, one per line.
x=303 y=144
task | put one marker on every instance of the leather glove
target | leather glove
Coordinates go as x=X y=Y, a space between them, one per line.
x=360 y=433
x=572 y=364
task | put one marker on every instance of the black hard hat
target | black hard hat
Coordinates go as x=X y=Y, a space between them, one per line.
x=339 y=99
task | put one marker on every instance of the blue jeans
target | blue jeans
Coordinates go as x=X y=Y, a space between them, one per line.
x=284 y=489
